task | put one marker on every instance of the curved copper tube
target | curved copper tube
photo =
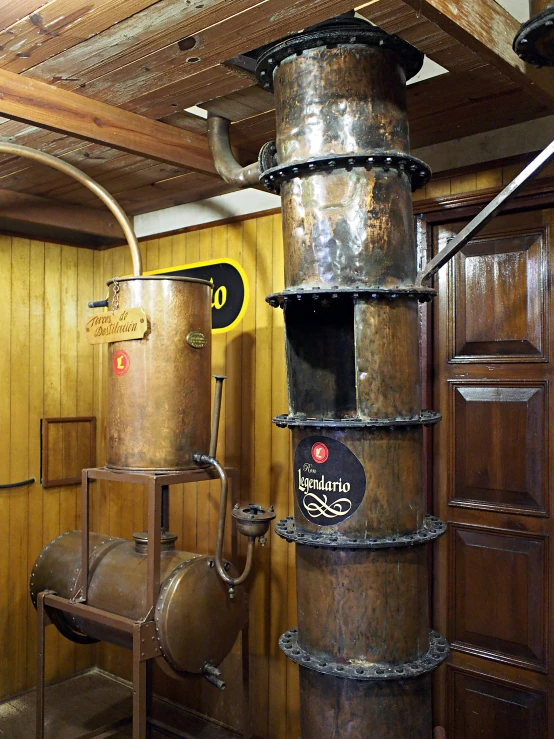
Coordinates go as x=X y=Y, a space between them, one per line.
x=231 y=581
x=84 y=179
x=224 y=159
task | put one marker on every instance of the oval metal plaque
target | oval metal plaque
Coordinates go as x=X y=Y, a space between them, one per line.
x=197 y=339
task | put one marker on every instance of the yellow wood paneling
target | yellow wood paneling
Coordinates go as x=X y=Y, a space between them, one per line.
x=45 y=370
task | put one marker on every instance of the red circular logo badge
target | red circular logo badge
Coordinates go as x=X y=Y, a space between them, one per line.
x=120 y=362
x=320 y=453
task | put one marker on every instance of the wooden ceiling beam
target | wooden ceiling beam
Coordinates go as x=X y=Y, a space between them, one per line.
x=33 y=214
x=488 y=29
x=35 y=102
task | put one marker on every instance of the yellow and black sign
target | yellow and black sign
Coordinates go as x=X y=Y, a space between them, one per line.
x=230 y=293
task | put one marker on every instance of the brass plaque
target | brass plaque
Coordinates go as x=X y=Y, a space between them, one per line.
x=118 y=325
x=197 y=339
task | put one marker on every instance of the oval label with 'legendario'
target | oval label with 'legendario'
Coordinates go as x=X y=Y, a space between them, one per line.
x=329 y=479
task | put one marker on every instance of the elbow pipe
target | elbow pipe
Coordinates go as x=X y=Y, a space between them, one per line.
x=232 y=582
x=224 y=159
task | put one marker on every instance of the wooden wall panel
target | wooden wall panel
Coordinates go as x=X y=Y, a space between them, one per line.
x=504 y=276
x=488 y=568
x=499 y=437
x=508 y=709
x=44 y=371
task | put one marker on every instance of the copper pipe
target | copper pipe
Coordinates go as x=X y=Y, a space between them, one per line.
x=224 y=159
x=219 y=380
x=231 y=581
x=88 y=182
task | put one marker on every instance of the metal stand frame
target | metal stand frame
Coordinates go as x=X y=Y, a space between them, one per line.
x=144 y=642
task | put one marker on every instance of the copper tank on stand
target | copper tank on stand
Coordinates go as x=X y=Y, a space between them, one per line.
x=159 y=398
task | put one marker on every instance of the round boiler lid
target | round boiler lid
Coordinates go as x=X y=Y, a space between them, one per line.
x=341 y=30
x=196 y=620
x=160 y=277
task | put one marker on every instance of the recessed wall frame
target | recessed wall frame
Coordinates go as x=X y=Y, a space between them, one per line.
x=68 y=445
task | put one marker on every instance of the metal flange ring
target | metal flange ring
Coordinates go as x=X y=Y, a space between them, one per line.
x=534 y=42
x=338 y=32
x=436 y=654
x=358 y=289
x=417 y=171
x=425 y=418
x=432 y=528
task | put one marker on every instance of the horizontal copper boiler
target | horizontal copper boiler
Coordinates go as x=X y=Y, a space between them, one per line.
x=159 y=386
x=196 y=621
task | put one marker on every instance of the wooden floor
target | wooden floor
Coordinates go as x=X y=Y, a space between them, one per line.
x=81 y=704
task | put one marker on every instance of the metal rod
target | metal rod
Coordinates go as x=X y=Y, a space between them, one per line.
x=21 y=484
x=231 y=581
x=219 y=380
x=486 y=215
x=154 y=539
x=246 y=709
x=224 y=159
x=39 y=733
x=85 y=526
x=139 y=687
x=165 y=507
x=92 y=185
x=99 y=303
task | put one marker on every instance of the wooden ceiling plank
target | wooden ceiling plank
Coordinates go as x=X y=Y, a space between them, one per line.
x=35 y=102
x=254 y=26
x=52 y=27
x=488 y=29
x=24 y=208
x=153 y=197
x=12 y=11
x=242 y=104
x=102 y=176
x=214 y=82
x=134 y=38
x=127 y=179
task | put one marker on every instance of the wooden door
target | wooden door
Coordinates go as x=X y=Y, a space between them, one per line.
x=493 y=369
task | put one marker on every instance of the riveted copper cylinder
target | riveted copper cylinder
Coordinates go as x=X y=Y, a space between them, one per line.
x=351 y=319
x=388 y=624
x=344 y=227
x=386 y=709
x=392 y=478
x=159 y=386
x=196 y=621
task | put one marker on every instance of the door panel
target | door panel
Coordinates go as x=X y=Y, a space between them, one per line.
x=499 y=437
x=491 y=466
x=503 y=573
x=490 y=709
x=498 y=312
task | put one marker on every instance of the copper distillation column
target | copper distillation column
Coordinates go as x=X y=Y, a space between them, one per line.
x=341 y=163
x=351 y=315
